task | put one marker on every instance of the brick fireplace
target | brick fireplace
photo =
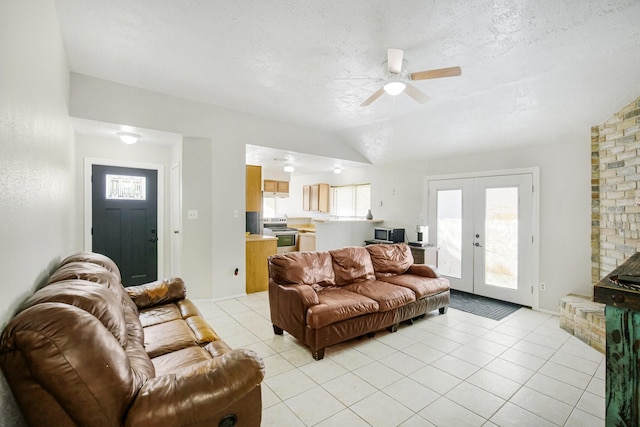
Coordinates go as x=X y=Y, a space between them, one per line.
x=615 y=190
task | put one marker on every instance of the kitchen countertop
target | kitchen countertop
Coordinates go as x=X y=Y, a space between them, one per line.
x=326 y=221
x=259 y=238
x=305 y=228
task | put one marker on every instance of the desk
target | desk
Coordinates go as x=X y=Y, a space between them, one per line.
x=623 y=350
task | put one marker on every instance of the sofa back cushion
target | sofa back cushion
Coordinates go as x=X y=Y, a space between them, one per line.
x=90 y=297
x=351 y=264
x=307 y=268
x=94 y=258
x=389 y=260
x=91 y=272
x=64 y=356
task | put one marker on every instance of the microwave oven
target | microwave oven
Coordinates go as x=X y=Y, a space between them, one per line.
x=394 y=235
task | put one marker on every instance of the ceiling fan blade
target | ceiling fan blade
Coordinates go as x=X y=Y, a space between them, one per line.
x=373 y=97
x=416 y=94
x=394 y=60
x=436 y=74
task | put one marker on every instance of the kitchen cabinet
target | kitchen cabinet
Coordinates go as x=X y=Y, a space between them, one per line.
x=306 y=242
x=273 y=186
x=306 y=198
x=254 y=192
x=258 y=248
x=323 y=197
x=315 y=197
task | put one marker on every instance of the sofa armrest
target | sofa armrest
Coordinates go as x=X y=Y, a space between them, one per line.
x=305 y=294
x=159 y=292
x=424 y=270
x=193 y=395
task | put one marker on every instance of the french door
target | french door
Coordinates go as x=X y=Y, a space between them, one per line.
x=484 y=227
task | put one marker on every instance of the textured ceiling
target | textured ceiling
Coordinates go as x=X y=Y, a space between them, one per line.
x=535 y=72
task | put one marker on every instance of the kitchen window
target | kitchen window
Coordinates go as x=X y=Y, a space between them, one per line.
x=351 y=201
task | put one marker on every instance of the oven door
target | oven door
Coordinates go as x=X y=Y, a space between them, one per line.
x=286 y=242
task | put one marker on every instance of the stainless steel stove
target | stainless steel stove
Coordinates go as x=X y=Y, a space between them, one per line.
x=287 y=237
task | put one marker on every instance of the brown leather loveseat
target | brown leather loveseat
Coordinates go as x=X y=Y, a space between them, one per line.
x=323 y=298
x=85 y=351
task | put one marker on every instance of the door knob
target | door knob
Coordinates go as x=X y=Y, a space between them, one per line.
x=476 y=244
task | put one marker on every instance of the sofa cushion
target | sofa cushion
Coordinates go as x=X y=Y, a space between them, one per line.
x=421 y=286
x=337 y=304
x=159 y=314
x=388 y=260
x=95 y=273
x=93 y=298
x=306 y=268
x=167 y=337
x=158 y=292
x=93 y=258
x=172 y=362
x=387 y=295
x=352 y=264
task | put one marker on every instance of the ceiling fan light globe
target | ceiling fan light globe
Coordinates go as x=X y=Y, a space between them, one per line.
x=394 y=88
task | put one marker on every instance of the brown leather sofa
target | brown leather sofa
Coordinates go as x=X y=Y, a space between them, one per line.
x=85 y=351
x=324 y=298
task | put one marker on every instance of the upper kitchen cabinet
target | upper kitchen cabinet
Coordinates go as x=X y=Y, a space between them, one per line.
x=272 y=186
x=254 y=188
x=315 y=197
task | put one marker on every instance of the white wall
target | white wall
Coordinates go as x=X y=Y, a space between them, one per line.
x=229 y=131
x=113 y=150
x=36 y=160
x=564 y=173
x=197 y=233
x=565 y=203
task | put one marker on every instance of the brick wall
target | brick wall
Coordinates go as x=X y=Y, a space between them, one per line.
x=615 y=186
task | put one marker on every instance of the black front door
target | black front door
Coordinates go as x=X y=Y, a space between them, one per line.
x=125 y=222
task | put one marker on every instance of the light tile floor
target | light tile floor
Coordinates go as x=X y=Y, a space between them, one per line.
x=455 y=370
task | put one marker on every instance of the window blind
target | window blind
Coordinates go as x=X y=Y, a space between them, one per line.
x=351 y=201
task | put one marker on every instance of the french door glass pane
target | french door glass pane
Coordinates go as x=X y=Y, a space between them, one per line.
x=449 y=232
x=501 y=237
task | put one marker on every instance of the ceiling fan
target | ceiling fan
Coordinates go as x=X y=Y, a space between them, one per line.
x=398 y=79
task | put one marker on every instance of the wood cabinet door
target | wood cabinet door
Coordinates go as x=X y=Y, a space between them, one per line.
x=306 y=198
x=315 y=190
x=282 y=186
x=270 y=186
x=323 y=197
x=254 y=194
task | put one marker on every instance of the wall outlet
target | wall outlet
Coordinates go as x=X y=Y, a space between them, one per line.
x=192 y=214
x=543 y=286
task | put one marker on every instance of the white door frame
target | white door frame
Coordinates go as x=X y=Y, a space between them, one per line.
x=535 y=172
x=175 y=219
x=88 y=194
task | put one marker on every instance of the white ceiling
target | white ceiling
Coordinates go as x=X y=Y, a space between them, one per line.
x=533 y=72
